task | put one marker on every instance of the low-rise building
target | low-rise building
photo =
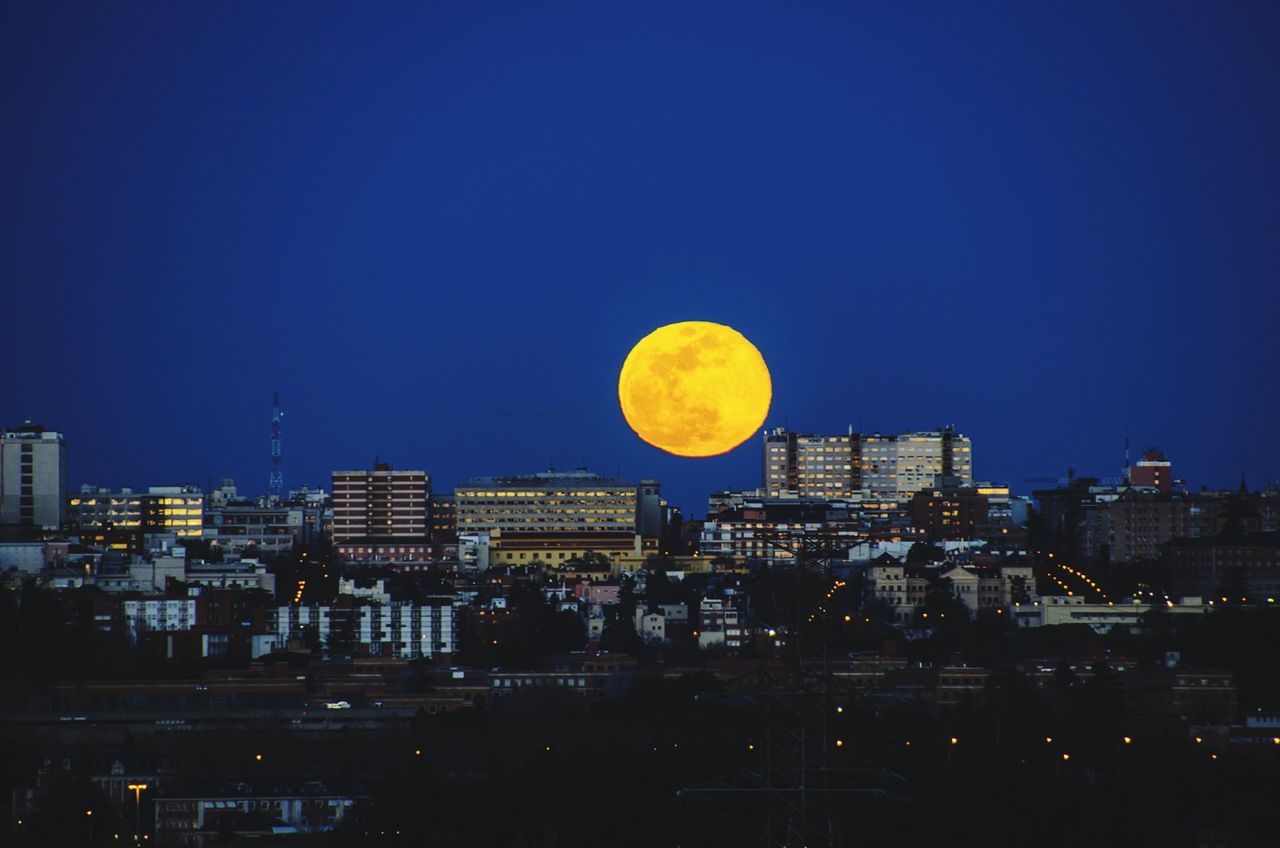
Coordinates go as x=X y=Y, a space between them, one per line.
x=768 y=530
x=270 y=529
x=198 y=818
x=247 y=574
x=981 y=588
x=153 y=615
x=720 y=624
x=404 y=630
x=1073 y=609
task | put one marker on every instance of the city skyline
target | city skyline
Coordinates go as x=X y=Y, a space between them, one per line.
x=249 y=486
x=425 y=231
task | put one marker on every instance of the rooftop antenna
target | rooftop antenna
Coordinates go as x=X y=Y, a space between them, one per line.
x=275 y=484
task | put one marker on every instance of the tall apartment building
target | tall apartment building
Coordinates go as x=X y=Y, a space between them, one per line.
x=892 y=467
x=812 y=466
x=33 y=477
x=925 y=458
x=381 y=505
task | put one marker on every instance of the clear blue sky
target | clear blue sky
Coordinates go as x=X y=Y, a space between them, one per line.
x=437 y=228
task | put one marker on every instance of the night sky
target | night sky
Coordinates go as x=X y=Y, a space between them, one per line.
x=437 y=229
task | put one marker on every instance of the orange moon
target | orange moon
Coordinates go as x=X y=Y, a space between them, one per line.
x=695 y=388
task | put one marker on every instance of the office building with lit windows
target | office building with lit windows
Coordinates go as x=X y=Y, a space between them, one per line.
x=33 y=478
x=555 y=517
x=875 y=466
x=119 y=520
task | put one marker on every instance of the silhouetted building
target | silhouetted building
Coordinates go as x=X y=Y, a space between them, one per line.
x=1131 y=524
x=443 y=519
x=1231 y=567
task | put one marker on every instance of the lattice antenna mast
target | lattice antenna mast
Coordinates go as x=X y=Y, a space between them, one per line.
x=275 y=486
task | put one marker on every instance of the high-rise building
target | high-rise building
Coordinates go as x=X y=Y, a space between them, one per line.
x=33 y=477
x=811 y=466
x=928 y=458
x=892 y=467
x=381 y=505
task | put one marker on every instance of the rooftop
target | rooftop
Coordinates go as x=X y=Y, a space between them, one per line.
x=548 y=478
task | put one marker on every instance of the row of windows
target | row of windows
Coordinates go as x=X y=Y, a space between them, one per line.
x=623 y=493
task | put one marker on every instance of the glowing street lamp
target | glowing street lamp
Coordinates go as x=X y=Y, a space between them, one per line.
x=137 y=805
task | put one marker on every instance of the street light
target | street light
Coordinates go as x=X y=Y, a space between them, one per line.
x=137 y=806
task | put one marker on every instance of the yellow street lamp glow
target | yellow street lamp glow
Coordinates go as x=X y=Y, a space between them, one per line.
x=695 y=388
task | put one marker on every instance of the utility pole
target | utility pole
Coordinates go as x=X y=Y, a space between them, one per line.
x=803 y=785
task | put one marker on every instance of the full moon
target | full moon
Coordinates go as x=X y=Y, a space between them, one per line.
x=695 y=388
